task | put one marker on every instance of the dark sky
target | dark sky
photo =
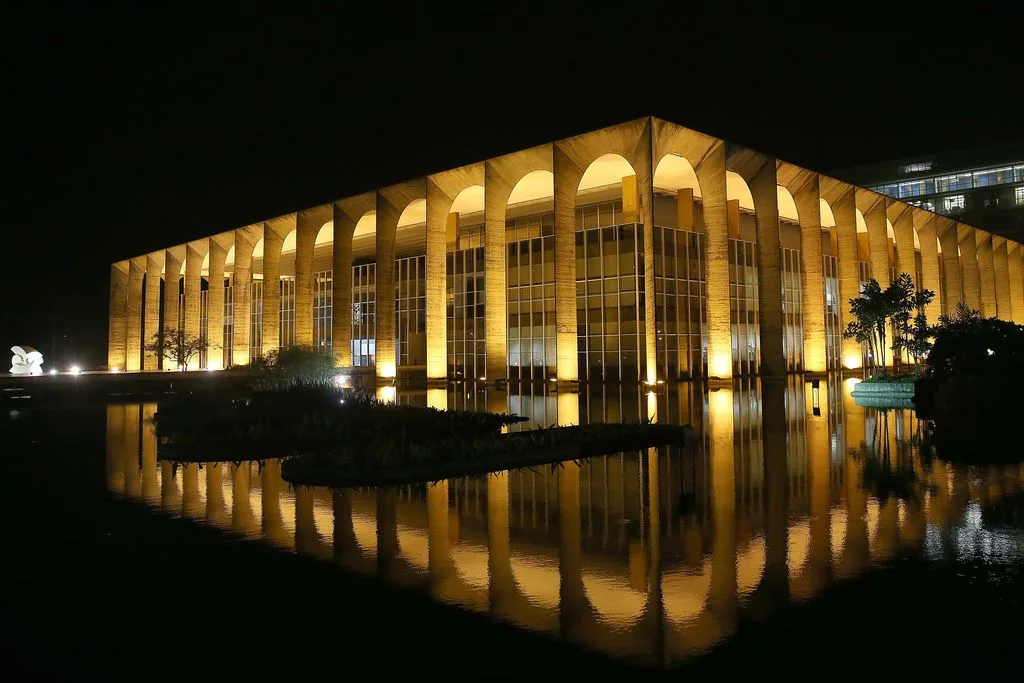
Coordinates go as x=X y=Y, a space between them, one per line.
x=129 y=129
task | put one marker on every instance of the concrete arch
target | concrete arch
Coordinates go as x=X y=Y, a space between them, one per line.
x=351 y=215
x=229 y=257
x=787 y=207
x=324 y=234
x=534 y=186
x=606 y=170
x=839 y=199
x=674 y=172
x=736 y=189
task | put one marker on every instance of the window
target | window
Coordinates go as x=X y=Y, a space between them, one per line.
x=916 y=167
x=1019 y=194
x=953 y=203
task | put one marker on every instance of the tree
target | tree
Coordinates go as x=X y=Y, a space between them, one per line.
x=898 y=305
x=177 y=346
x=870 y=314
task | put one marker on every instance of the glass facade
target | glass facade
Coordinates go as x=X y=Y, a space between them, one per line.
x=530 y=282
x=229 y=321
x=464 y=296
x=411 y=311
x=323 y=308
x=256 y=320
x=609 y=294
x=746 y=343
x=204 y=323
x=792 y=310
x=833 y=333
x=680 y=301
x=286 y=321
x=364 y=314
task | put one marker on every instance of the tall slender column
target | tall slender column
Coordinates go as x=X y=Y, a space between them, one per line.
x=194 y=253
x=173 y=259
x=438 y=217
x=903 y=228
x=241 y=291
x=154 y=266
x=387 y=227
x=807 y=197
x=711 y=176
x=118 y=321
x=644 y=194
x=133 y=359
x=1015 y=258
x=986 y=273
x=567 y=177
x=215 y=352
x=308 y=224
x=873 y=208
x=925 y=224
x=844 y=208
x=1001 y=272
x=273 y=239
x=341 y=321
x=953 y=293
x=763 y=184
x=969 y=263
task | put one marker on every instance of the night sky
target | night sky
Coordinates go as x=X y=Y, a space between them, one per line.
x=131 y=130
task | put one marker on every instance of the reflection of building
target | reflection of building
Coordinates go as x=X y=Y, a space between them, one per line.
x=643 y=251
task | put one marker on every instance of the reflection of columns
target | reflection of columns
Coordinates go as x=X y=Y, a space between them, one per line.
x=568 y=408
x=438 y=218
x=341 y=321
x=241 y=513
x=168 y=489
x=133 y=344
x=173 y=258
x=439 y=549
x=241 y=291
x=193 y=287
x=215 y=511
x=953 y=292
x=438 y=398
x=986 y=273
x=807 y=198
x=711 y=176
x=819 y=466
x=130 y=453
x=969 y=264
x=844 y=209
x=925 y=223
x=723 y=598
x=305 y=526
x=776 y=480
x=273 y=240
x=855 y=546
x=344 y=532
x=387 y=532
x=572 y=595
x=118 y=323
x=215 y=352
x=307 y=226
x=499 y=554
x=190 y=503
x=1015 y=257
x=567 y=177
x=150 y=488
x=764 y=190
x=270 y=501
x=154 y=266
x=1001 y=275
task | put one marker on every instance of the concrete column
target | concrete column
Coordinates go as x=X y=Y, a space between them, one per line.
x=154 y=266
x=844 y=208
x=133 y=359
x=173 y=258
x=903 y=227
x=341 y=323
x=807 y=197
x=925 y=224
x=194 y=253
x=1001 y=272
x=711 y=176
x=1015 y=258
x=438 y=219
x=308 y=224
x=953 y=293
x=273 y=238
x=387 y=226
x=643 y=193
x=762 y=178
x=969 y=264
x=118 y=322
x=986 y=273
x=567 y=177
x=245 y=240
x=872 y=206
x=215 y=353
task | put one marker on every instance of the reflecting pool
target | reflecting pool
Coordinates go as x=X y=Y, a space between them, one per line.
x=652 y=556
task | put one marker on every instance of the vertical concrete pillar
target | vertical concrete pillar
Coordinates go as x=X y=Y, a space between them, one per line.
x=194 y=254
x=117 y=333
x=711 y=176
x=341 y=321
x=903 y=228
x=245 y=241
x=844 y=208
x=807 y=197
x=215 y=352
x=387 y=227
x=308 y=224
x=986 y=273
x=439 y=223
x=173 y=258
x=872 y=207
x=273 y=239
x=925 y=224
x=133 y=359
x=763 y=183
x=1015 y=258
x=154 y=266
x=953 y=293
x=643 y=194
x=969 y=265
x=567 y=177
x=1001 y=272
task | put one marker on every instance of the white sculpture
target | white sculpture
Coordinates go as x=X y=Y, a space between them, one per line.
x=26 y=361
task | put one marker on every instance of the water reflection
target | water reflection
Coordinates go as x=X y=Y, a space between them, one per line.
x=654 y=556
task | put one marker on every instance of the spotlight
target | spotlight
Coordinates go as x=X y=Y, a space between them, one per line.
x=75 y=370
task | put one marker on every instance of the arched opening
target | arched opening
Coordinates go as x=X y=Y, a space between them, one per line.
x=286 y=317
x=743 y=283
x=323 y=287
x=530 y=277
x=830 y=275
x=411 y=286
x=465 y=316
x=256 y=291
x=611 y=333
x=679 y=268
x=791 y=253
x=364 y=291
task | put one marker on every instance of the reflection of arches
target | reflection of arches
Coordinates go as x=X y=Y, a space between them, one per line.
x=837 y=537
x=798 y=548
x=684 y=594
x=750 y=566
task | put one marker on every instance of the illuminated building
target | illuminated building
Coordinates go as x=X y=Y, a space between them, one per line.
x=645 y=251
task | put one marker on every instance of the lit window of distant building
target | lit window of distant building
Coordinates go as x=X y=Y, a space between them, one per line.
x=1019 y=194
x=916 y=168
x=953 y=203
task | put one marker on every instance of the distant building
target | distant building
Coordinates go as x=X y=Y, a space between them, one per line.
x=982 y=187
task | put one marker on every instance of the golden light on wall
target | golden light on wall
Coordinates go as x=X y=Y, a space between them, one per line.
x=852 y=361
x=720 y=365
